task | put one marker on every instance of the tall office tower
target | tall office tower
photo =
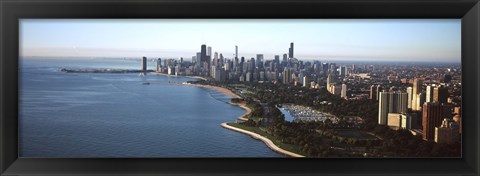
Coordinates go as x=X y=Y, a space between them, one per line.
x=259 y=60
x=344 y=91
x=333 y=68
x=144 y=64
x=159 y=64
x=248 y=77
x=290 y=51
x=285 y=58
x=418 y=101
x=305 y=81
x=391 y=102
x=325 y=68
x=203 y=54
x=300 y=77
x=252 y=64
x=440 y=94
x=353 y=68
x=286 y=76
x=433 y=113
x=194 y=59
x=343 y=71
x=236 y=51
x=209 y=51
x=329 y=81
x=373 y=92
x=410 y=96
x=379 y=89
x=277 y=58
x=429 y=93
x=199 y=58
x=417 y=88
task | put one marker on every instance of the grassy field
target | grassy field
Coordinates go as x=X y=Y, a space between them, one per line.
x=357 y=134
x=277 y=142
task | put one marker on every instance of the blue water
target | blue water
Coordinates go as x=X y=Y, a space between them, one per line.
x=114 y=115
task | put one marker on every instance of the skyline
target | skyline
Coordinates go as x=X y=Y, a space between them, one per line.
x=423 y=40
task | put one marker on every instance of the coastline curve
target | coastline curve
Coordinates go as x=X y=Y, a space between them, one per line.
x=267 y=141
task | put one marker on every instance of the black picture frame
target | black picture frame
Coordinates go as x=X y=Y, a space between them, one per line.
x=13 y=10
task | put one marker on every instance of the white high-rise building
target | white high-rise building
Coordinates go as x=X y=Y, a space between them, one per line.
x=409 y=97
x=305 y=81
x=391 y=102
x=344 y=91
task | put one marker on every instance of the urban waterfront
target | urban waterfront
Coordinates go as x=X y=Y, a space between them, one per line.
x=114 y=115
x=330 y=88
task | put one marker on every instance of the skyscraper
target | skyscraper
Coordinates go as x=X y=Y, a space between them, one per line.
x=144 y=64
x=209 y=51
x=417 y=88
x=236 y=51
x=286 y=76
x=344 y=91
x=159 y=64
x=433 y=113
x=391 y=102
x=203 y=54
x=429 y=93
x=440 y=94
x=290 y=51
x=410 y=96
x=305 y=81
x=373 y=92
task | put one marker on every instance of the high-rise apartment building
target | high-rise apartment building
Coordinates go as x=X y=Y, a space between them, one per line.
x=433 y=114
x=391 y=102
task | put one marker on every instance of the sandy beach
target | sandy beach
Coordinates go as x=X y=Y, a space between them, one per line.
x=267 y=141
x=195 y=77
x=247 y=111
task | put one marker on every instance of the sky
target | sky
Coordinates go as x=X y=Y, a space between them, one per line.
x=426 y=40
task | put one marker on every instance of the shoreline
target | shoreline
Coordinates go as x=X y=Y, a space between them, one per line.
x=247 y=111
x=228 y=92
x=194 y=77
x=265 y=140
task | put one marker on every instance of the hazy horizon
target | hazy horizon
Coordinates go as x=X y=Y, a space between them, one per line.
x=386 y=40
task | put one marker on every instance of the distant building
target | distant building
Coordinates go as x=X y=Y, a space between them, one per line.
x=394 y=120
x=391 y=102
x=305 y=81
x=171 y=70
x=440 y=94
x=433 y=113
x=290 y=51
x=344 y=91
x=417 y=89
x=447 y=132
x=286 y=76
x=429 y=93
x=203 y=53
x=144 y=64
x=336 y=90
x=373 y=92
x=409 y=97
x=159 y=64
x=236 y=52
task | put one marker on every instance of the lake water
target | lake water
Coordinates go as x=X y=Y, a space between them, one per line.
x=115 y=115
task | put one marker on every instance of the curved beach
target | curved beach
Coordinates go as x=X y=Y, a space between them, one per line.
x=267 y=141
x=228 y=92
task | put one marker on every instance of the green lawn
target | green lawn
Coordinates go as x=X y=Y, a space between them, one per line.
x=351 y=133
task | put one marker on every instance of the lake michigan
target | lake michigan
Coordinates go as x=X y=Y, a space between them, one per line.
x=115 y=115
